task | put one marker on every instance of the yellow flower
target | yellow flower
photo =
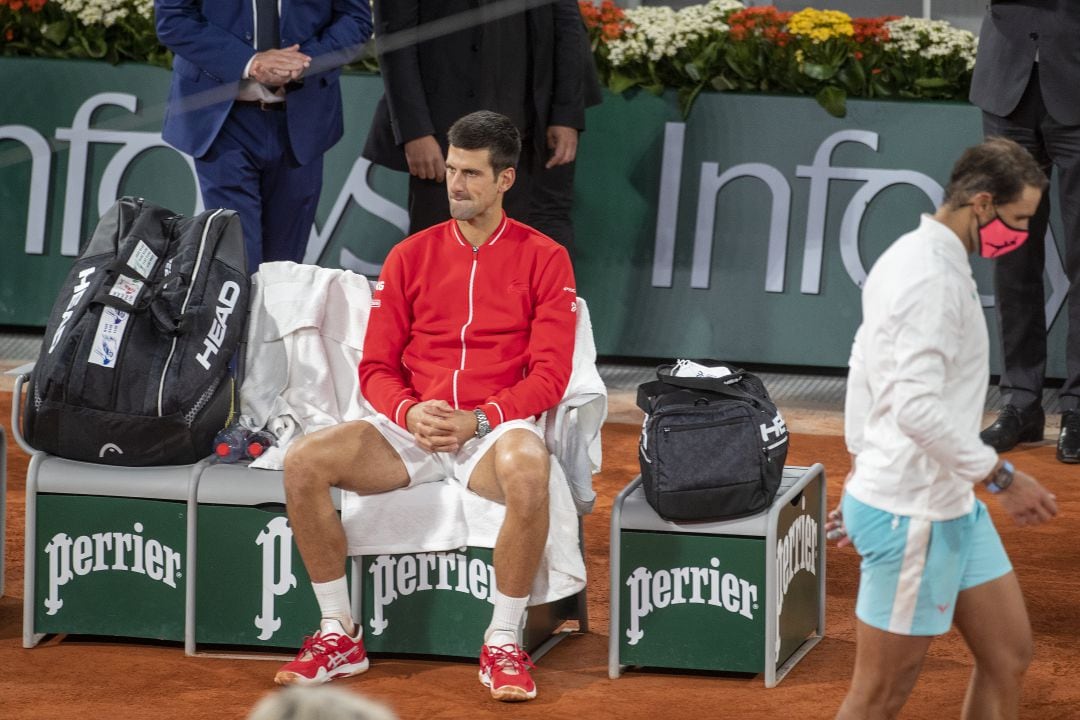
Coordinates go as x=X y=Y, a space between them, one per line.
x=821 y=25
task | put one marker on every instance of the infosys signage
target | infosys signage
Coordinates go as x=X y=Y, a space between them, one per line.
x=754 y=218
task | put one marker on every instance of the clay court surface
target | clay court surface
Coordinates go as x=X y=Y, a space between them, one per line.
x=68 y=677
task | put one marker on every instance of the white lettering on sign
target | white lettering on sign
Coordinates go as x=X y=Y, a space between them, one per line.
x=277 y=575
x=70 y=558
x=796 y=552
x=395 y=576
x=652 y=590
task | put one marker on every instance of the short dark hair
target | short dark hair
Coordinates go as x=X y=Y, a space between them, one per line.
x=998 y=166
x=487 y=130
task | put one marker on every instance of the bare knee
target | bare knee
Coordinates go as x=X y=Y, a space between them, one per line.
x=306 y=467
x=880 y=695
x=1009 y=658
x=523 y=470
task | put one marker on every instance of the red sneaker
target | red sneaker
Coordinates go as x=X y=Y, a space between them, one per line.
x=323 y=657
x=505 y=670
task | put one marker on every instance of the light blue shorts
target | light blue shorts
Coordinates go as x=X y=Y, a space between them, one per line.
x=912 y=570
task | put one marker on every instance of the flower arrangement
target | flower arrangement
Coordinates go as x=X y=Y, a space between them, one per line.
x=723 y=45
x=111 y=30
x=719 y=45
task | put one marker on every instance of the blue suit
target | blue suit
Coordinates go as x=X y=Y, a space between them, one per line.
x=266 y=164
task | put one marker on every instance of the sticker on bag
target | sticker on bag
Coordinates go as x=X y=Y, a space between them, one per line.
x=108 y=338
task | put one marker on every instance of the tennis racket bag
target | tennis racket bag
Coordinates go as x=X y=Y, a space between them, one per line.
x=135 y=364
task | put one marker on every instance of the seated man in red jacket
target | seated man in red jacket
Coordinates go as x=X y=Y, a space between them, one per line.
x=470 y=339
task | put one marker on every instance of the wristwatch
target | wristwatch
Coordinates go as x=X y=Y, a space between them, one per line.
x=483 y=427
x=1001 y=479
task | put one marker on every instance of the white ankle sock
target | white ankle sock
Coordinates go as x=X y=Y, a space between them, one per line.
x=507 y=620
x=333 y=599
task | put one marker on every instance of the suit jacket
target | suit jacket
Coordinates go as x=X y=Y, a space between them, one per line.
x=212 y=41
x=1012 y=32
x=425 y=80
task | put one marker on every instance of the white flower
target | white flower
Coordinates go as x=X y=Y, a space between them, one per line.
x=931 y=39
x=659 y=31
x=106 y=12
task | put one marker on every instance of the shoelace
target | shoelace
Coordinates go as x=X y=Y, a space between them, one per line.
x=316 y=644
x=510 y=657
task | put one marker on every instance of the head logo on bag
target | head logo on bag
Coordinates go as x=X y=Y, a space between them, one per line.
x=230 y=293
x=76 y=296
x=109 y=449
x=777 y=430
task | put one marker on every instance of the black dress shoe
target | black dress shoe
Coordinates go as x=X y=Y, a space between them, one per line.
x=1015 y=426
x=1068 y=449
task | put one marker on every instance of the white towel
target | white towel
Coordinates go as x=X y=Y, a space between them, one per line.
x=305 y=337
x=441 y=516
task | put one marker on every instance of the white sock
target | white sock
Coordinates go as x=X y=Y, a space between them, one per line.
x=506 y=621
x=333 y=599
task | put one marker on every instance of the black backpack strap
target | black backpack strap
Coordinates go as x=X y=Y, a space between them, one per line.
x=720 y=386
x=647 y=391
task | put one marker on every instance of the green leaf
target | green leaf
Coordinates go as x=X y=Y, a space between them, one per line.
x=853 y=76
x=818 y=72
x=55 y=32
x=96 y=47
x=931 y=82
x=687 y=96
x=693 y=72
x=833 y=99
x=722 y=83
x=619 y=83
x=656 y=88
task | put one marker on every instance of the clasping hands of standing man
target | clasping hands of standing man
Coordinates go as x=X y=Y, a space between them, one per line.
x=278 y=66
x=438 y=427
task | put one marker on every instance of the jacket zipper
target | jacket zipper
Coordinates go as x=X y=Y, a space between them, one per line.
x=465 y=327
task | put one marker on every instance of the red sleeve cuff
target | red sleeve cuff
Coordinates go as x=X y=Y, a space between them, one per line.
x=402 y=410
x=494 y=414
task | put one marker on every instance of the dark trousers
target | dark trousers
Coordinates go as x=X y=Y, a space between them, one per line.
x=1018 y=276
x=540 y=198
x=250 y=168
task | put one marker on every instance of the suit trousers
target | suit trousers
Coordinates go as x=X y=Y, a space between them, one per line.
x=1018 y=276
x=250 y=168
x=540 y=198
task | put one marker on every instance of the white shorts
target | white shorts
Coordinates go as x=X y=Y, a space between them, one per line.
x=425 y=467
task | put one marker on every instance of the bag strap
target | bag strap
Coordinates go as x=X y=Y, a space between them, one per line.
x=718 y=386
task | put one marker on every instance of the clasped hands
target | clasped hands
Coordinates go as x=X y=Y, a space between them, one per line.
x=438 y=427
x=278 y=66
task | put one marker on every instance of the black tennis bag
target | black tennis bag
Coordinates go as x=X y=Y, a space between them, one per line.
x=710 y=448
x=134 y=367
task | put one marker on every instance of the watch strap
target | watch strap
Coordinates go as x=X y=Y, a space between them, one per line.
x=1001 y=479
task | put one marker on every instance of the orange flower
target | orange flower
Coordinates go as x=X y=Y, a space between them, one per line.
x=9 y=35
x=15 y=5
x=871 y=29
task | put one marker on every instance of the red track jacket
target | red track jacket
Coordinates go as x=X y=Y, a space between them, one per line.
x=491 y=327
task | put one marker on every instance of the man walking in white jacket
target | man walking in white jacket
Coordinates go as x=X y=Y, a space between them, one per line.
x=915 y=395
